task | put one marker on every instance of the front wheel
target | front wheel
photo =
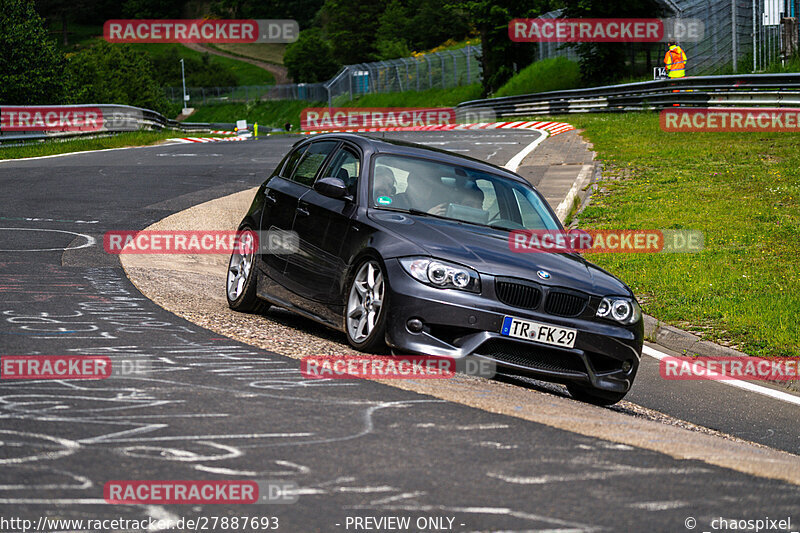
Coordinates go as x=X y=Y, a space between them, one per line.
x=242 y=276
x=594 y=396
x=365 y=319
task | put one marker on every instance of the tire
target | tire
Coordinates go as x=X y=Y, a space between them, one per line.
x=242 y=277
x=594 y=396
x=366 y=309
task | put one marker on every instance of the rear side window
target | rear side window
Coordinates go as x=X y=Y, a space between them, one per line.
x=292 y=161
x=305 y=171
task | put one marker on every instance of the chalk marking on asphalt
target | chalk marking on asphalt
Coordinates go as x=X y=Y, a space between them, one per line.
x=90 y=241
x=659 y=506
x=162 y=516
x=617 y=471
x=516 y=161
x=746 y=385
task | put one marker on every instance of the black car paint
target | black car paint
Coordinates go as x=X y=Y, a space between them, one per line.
x=336 y=234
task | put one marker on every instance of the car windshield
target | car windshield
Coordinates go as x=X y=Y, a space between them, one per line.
x=458 y=193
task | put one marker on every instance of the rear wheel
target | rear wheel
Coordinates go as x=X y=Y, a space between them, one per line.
x=365 y=320
x=242 y=276
x=594 y=396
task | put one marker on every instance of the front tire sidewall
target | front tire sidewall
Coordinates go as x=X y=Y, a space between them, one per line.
x=247 y=301
x=376 y=339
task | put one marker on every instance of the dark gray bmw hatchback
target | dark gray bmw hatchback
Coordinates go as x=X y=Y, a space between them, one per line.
x=399 y=244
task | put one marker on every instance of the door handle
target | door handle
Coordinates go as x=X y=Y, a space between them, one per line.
x=301 y=210
x=271 y=199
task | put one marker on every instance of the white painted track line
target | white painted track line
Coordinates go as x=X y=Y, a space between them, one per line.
x=516 y=161
x=746 y=385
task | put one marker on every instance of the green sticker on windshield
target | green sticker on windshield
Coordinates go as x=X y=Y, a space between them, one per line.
x=384 y=200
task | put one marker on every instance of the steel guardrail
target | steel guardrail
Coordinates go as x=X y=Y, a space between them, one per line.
x=774 y=90
x=112 y=119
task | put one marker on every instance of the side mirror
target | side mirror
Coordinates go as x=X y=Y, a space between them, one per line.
x=332 y=188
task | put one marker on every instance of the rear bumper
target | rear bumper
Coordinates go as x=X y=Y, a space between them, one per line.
x=458 y=324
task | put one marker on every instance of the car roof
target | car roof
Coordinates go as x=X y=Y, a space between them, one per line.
x=397 y=147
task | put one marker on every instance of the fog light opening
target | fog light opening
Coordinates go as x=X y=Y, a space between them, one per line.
x=414 y=325
x=627 y=365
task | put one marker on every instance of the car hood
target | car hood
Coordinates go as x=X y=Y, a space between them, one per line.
x=487 y=251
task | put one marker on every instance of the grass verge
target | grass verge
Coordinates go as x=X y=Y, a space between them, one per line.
x=427 y=98
x=555 y=74
x=741 y=190
x=53 y=147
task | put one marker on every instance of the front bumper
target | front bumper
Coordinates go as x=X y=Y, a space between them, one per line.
x=458 y=324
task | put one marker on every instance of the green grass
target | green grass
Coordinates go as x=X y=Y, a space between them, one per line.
x=553 y=74
x=52 y=147
x=741 y=190
x=244 y=73
x=270 y=113
x=428 y=98
x=268 y=52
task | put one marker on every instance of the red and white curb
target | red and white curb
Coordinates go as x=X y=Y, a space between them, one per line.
x=553 y=128
x=187 y=140
x=223 y=132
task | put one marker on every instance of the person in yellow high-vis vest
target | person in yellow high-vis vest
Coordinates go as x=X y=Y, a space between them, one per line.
x=675 y=60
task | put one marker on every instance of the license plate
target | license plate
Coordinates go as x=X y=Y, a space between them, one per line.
x=534 y=331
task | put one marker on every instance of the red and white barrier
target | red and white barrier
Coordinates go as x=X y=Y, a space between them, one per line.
x=187 y=140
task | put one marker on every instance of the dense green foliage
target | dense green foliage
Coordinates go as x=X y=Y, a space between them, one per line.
x=604 y=63
x=31 y=68
x=115 y=74
x=407 y=25
x=310 y=59
x=347 y=32
x=501 y=57
x=303 y=11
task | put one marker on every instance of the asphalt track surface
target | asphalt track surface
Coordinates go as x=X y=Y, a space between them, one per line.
x=213 y=408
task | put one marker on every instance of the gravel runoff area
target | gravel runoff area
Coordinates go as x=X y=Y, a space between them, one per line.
x=192 y=286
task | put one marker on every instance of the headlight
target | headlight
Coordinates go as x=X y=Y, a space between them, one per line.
x=442 y=274
x=623 y=310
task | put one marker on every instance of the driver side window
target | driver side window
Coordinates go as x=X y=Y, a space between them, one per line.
x=346 y=166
